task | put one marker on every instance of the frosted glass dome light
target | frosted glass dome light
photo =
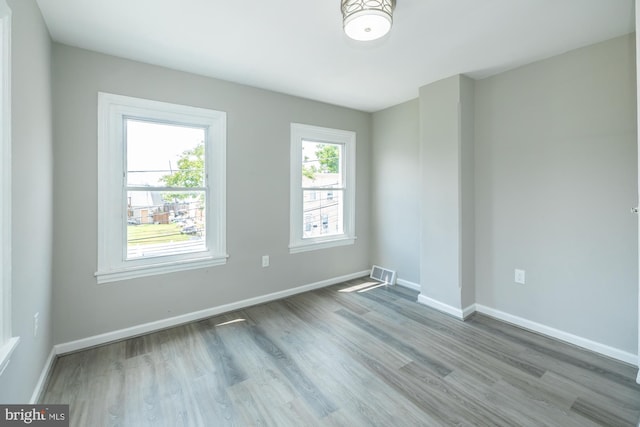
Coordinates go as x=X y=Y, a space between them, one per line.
x=366 y=20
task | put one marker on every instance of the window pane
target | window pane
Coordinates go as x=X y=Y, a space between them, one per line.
x=162 y=154
x=321 y=164
x=165 y=223
x=323 y=213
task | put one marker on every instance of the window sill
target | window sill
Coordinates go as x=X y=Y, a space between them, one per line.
x=5 y=352
x=127 y=273
x=298 y=247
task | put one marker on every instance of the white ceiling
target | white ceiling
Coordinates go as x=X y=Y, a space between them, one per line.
x=298 y=47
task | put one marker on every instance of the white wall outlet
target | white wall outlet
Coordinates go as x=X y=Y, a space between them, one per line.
x=36 y=321
x=265 y=260
x=519 y=276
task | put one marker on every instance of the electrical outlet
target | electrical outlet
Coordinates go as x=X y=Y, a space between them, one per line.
x=265 y=260
x=36 y=321
x=519 y=276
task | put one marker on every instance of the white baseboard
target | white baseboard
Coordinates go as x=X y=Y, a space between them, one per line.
x=121 y=334
x=42 y=380
x=408 y=284
x=468 y=311
x=446 y=308
x=585 y=343
x=146 y=328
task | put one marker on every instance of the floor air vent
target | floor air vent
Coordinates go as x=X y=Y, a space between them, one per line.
x=383 y=275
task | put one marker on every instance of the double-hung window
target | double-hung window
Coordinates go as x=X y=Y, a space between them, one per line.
x=161 y=187
x=322 y=212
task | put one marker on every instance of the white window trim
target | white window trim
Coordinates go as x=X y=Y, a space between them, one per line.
x=300 y=132
x=8 y=343
x=111 y=162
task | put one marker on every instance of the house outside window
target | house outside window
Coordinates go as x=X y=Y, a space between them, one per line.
x=322 y=187
x=161 y=188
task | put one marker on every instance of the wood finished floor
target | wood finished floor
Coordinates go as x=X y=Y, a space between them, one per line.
x=336 y=358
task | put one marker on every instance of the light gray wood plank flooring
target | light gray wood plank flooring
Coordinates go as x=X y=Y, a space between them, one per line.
x=339 y=357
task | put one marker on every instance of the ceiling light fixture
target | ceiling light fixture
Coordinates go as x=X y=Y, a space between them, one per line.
x=366 y=20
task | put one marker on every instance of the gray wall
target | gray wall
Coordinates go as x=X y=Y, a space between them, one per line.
x=447 y=261
x=32 y=200
x=556 y=172
x=395 y=197
x=441 y=190
x=555 y=176
x=257 y=191
x=467 y=192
